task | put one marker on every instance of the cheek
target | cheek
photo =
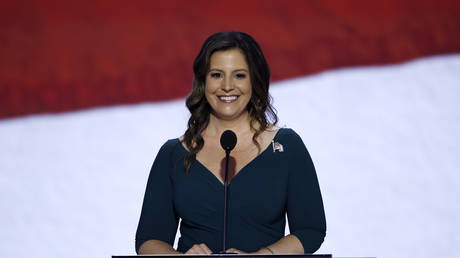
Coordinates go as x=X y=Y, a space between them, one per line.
x=210 y=86
x=248 y=89
x=207 y=95
x=208 y=92
x=249 y=93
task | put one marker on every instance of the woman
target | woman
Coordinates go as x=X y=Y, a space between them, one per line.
x=271 y=172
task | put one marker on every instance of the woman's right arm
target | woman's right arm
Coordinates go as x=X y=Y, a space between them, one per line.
x=160 y=247
x=157 y=247
x=158 y=221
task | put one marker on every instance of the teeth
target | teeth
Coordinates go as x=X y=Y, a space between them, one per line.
x=227 y=98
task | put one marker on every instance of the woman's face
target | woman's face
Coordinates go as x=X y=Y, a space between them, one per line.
x=228 y=84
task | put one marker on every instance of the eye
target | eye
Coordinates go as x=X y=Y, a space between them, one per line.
x=240 y=75
x=215 y=75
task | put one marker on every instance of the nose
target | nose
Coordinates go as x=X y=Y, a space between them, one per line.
x=227 y=85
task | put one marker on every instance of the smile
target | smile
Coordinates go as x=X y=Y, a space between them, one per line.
x=228 y=99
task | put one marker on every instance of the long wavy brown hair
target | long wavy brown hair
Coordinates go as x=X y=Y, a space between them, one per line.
x=261 y=112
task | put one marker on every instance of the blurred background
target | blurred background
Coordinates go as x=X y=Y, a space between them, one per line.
x=90 y=90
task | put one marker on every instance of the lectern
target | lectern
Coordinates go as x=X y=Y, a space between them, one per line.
x=228 y=255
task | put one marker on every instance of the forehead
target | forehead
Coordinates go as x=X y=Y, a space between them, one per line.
x=228 y=59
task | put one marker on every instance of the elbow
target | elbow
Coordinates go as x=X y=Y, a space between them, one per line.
x=139 y=243
x=311 y=240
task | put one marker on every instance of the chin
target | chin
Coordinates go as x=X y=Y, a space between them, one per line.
x=229 y=115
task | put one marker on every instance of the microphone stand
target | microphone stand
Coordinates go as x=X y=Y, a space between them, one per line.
x=227 y=141
x=227 y=157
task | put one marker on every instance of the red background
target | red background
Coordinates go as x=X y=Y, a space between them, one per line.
x=59 y=56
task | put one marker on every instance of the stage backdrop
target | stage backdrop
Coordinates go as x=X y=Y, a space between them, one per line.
x=60 y=55
x=90 y=90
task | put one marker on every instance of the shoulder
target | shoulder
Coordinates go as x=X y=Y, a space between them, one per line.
x=299 y=159
x=290 y=140
x=169 y=154
x=169 y=147
x=171 y=143
x=288 y=134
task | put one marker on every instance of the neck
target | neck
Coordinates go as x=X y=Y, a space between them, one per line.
x=238 y=125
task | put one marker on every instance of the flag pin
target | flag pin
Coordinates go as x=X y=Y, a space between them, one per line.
x=277 y=146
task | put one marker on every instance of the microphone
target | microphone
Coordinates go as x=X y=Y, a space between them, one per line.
x=228 y=142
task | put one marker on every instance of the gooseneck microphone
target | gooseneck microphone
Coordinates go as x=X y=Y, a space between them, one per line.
x=228 y=142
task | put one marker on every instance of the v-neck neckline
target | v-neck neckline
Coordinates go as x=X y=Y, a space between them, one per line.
x=221 y=183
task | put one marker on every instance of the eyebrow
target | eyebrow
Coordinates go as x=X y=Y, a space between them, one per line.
x=237 y=70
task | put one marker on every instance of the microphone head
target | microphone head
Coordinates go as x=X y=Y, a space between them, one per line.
x=228 y=140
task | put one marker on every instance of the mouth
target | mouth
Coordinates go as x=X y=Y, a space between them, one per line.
x=228 y=99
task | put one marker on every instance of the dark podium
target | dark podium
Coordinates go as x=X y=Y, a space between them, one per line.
x=228 y=255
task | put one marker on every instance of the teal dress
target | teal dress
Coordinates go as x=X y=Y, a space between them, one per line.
x=281 y=180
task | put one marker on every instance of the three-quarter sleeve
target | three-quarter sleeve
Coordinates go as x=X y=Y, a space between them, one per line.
x=158 y=220
x=305 y=205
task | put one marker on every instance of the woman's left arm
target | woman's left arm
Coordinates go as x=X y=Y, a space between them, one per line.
x=288 y=244
x=305 y=208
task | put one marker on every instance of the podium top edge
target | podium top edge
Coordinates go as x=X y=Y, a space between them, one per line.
x=227 y=255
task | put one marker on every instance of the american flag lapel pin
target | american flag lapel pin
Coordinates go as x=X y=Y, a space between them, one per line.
x=277 y=146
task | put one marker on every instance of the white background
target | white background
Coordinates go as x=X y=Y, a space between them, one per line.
x=384 y=140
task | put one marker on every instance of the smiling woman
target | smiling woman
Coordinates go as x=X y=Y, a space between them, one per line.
x=218 y=50
x=272 y=172
x=228 y=85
